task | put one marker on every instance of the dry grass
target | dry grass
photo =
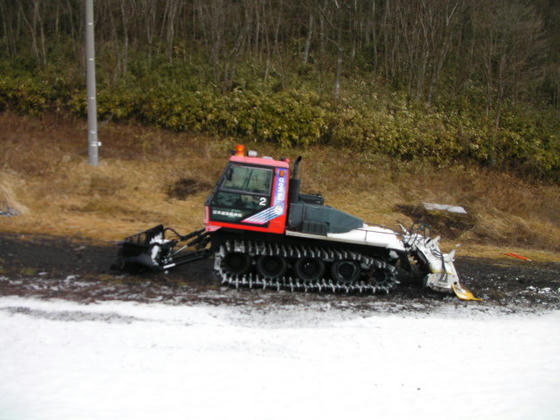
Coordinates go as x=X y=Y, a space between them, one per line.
x=143 y=173
x=8 y=200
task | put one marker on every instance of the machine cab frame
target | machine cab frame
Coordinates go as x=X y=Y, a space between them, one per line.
x=251 y=194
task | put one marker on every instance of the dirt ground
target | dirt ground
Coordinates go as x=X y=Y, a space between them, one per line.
x=50 y=267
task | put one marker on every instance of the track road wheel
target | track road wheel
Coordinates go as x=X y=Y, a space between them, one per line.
x=381 y=278
x=271 y=266
x=236 y=263
x=309 y=269
x=345 y=271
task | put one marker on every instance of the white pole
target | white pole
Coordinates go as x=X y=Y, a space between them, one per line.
x=93 y=143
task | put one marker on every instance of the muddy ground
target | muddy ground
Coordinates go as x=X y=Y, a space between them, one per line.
x=48 y=267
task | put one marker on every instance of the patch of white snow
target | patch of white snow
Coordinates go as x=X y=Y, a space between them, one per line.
x=117 y=360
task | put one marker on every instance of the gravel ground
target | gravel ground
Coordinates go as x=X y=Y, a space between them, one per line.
x=47 y=267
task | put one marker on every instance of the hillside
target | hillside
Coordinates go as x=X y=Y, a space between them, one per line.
x=148 y=176
x=441 y=81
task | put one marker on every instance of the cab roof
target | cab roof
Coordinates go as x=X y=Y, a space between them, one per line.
x=260 y=161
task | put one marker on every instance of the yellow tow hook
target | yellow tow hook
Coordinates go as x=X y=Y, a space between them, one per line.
x=462 y=292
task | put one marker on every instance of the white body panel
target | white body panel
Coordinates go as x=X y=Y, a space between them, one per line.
x=366 y=235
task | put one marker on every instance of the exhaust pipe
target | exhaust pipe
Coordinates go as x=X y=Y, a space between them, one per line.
x=295 y=182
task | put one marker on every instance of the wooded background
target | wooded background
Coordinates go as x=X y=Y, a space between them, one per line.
x=495 y=63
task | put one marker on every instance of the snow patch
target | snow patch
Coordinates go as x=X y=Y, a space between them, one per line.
x=114 y=360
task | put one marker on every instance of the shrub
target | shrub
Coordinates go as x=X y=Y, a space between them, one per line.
x=527 y=141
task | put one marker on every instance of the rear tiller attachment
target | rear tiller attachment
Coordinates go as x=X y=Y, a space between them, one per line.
x=441 y=273
x=152 y=250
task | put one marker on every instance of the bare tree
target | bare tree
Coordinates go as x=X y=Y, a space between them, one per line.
x=508 y=32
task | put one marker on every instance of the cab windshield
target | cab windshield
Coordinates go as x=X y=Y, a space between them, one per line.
x=243 y=188
x=248 y=179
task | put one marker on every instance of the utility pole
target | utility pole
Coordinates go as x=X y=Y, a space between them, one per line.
x=93 y=143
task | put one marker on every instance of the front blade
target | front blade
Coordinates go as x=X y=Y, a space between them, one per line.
x=142 y=250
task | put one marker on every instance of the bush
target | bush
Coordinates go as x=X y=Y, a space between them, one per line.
x=527 y=141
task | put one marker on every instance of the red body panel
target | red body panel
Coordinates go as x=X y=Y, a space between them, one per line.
x=261 y=161
x=213 y=226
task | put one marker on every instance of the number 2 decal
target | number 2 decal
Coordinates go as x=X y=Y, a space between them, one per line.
x=262 y=201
